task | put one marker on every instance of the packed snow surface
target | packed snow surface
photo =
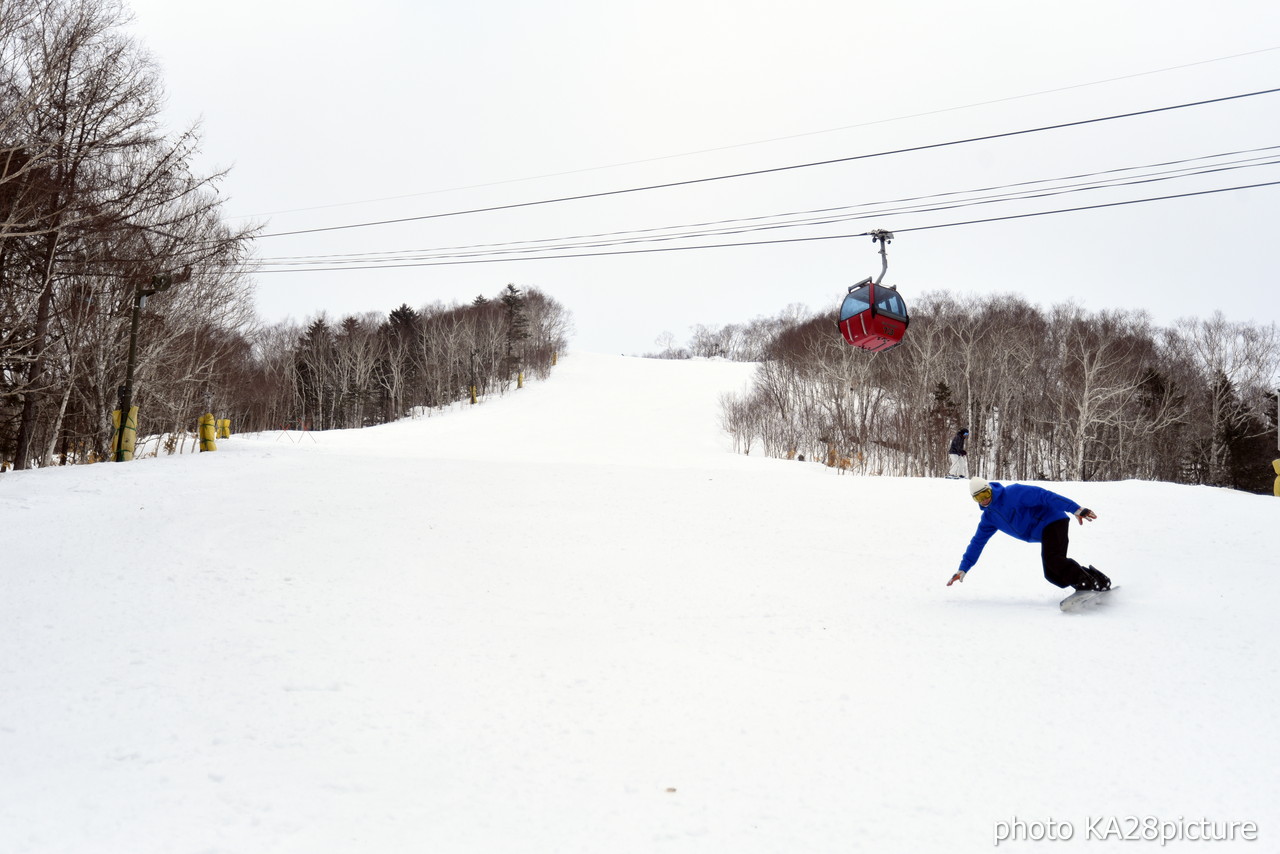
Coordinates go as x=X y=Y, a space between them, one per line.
x=571 y=619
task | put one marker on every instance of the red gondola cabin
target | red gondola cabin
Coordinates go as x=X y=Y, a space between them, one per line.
x=873 y=316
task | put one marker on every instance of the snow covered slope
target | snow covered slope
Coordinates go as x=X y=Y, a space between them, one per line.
x=571 y=620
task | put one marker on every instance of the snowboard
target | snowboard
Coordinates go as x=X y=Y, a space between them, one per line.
x=1081 y=598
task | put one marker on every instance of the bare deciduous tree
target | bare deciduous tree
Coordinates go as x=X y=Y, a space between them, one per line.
x=96 y=200
x=1063 y=394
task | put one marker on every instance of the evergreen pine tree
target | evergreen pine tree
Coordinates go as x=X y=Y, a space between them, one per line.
x=517 y=327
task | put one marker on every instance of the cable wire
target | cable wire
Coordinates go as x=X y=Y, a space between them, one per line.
x=728 y=227
x=763 y=217
x=900 y=230
x=778 y=169
x=770 y=140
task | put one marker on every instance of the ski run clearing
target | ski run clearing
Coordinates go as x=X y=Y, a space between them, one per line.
x=570 y=619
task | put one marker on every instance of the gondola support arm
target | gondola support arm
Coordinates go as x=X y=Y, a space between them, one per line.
x=882 y=237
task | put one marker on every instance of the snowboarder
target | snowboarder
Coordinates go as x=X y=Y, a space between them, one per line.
x=1035 y=515
x=959 y=463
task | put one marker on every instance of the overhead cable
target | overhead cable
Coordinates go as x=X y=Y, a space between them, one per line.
x=1012 y=194
x=723 y=228
x=778 y=169
x=785 y=138
x=897 y=230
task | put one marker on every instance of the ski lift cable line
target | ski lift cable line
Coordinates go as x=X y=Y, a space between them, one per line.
x=777 y=169
x=767 y=141
x=807 y=219
x=748 y=243
x=629 y=238
x=797 y=219
x=763 y=217
x=517 y=253
x=1091 y=207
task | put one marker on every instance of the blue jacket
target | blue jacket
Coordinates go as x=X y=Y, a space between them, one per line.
x=1020 y=511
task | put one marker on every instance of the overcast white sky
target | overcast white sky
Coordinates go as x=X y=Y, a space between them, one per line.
x=336 y=113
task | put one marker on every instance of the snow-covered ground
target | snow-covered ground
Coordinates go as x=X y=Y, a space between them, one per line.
x=571 y=620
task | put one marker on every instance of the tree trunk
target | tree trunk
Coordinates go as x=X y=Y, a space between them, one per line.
x=35 y=373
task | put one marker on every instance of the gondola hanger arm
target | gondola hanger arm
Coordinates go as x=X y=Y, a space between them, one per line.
x=882 y=237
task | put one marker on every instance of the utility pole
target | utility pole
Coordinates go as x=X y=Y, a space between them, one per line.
x=159 y=282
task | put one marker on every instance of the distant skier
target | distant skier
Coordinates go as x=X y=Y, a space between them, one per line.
x=1035 y=515
x=959 y=462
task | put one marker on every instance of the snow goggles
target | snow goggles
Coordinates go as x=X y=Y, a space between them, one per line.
x=983 y=494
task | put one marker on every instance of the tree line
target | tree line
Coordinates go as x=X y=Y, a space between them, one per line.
x=101 y=209
x=1057 y=394
x=98 y=203
x=369 y=369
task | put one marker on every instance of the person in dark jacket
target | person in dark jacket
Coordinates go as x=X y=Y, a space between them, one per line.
x=959 y=463
x=1036 y=515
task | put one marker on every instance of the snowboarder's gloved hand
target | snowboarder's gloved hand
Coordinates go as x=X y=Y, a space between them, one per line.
x=959 y=576
x=1085 y=513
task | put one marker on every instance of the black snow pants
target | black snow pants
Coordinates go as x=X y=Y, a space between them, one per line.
x=1058 y=568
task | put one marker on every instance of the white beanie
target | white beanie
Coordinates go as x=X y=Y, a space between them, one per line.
x=977 y=484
